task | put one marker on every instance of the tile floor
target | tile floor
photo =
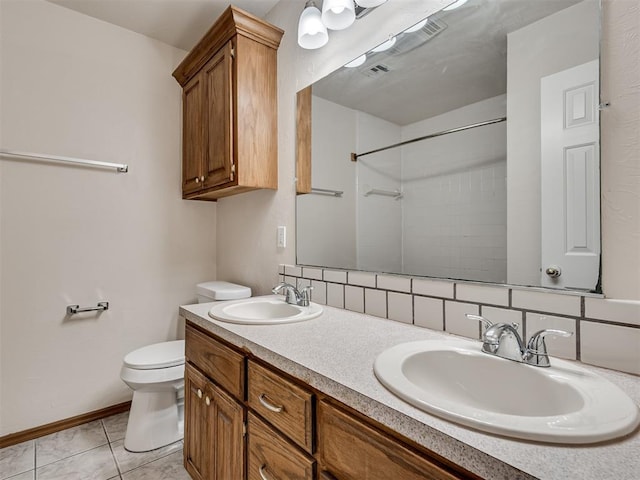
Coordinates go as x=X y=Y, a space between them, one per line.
x=93 y=451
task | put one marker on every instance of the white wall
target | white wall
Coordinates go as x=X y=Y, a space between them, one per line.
x=247 y=223
x=553 y=44
x=379 y=218
x=454 y=216
x=327 y=220
x=620 y=154
x=76 y=86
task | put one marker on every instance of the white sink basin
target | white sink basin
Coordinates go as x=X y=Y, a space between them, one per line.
x=269 y=310
x=455 y=380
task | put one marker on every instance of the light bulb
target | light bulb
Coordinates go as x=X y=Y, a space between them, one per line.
x=312 y=33
x=370 y=3
x=385 y=46
x=357 y=62
x=455 y=5
x=417 y=26
x=338 y=14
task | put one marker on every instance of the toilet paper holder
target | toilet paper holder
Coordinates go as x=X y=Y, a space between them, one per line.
x=100 y=307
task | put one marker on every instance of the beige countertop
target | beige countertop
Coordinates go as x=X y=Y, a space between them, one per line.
x=335 y=352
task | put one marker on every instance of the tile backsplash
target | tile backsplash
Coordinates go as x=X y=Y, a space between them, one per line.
x=606 y=331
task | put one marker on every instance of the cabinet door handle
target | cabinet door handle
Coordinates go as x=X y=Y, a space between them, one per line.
x=262 y=471
x=268 y=405
x=207 y=401
x=199 y=393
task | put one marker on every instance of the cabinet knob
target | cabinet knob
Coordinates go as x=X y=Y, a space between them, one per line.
x=202 y=178
x=197 y=179
x=207 y=401
x=199 y=393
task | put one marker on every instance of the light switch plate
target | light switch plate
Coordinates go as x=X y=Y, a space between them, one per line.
x=282 y=237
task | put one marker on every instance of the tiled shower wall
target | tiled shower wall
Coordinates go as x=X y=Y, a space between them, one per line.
x=606 y=332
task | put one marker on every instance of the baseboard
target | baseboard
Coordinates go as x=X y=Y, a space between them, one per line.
x=36 y=432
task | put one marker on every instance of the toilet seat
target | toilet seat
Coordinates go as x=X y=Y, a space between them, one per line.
x=158 y=355
x=151 y=378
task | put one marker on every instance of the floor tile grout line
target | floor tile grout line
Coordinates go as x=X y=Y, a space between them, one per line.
x=35 y=457
x=113 y=455
x=72 y=455
x=36 y=466
x=120 y=473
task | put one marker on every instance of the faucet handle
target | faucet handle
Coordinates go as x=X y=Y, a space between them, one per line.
x=290 y=292
x=479 y=318
x=305 y=295
x=537 y=348
x=280 y=286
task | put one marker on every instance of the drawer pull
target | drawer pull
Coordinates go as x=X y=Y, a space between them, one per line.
x=262 y=470
x=268 y=405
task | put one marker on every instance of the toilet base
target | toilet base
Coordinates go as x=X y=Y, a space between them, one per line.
x=154 y=421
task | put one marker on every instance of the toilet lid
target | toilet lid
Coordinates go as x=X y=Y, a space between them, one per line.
x=158 y=355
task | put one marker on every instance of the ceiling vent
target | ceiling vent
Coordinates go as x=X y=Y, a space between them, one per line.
x=375 y=70
x=408 y=41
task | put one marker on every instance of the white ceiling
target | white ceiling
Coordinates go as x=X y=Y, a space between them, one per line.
x=464 y=64
x=180 y=23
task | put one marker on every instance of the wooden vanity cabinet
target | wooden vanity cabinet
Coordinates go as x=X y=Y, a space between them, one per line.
x=214 y=430
x=351 y=449
x=229 y=81
x=246 y=419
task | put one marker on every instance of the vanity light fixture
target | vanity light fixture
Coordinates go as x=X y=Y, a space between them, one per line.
x=338 y=14
x=357 y=62
x=385 y=46
x=455 y=5
x=312 y=33
x=335 y=15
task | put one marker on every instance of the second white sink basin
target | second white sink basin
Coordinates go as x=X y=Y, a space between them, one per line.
x=269 y=310
x=454 y=379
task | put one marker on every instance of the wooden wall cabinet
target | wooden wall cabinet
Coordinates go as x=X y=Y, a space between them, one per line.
x=292 y=431
x=229 y=101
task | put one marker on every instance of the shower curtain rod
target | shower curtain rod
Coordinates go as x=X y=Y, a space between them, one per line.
x=355 y=156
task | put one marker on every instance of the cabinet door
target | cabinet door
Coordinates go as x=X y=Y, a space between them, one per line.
x=193 y=134
x=195 y=423
x=286 y=405
x=218 y=77
x=352 y=450
x=227 y=439
x=272 y=457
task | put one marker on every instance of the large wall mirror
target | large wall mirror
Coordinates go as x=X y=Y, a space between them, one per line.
x=476 y=142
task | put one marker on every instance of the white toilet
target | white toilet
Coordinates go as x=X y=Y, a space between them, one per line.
x=155 y=373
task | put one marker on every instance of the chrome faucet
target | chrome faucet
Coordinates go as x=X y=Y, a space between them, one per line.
x=292 y=295
x=503 y=340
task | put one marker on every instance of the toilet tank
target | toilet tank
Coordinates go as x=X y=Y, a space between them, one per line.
x=218 y=290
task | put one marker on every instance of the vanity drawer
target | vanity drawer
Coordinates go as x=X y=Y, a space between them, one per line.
x=353 y=450
x=284 y=404
x=220 y=363
x=271 y=456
